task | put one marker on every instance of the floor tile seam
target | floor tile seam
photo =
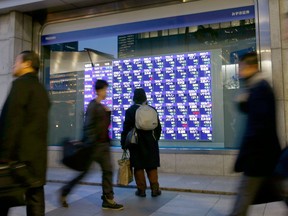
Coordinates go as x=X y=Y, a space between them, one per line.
x=188 y=190
x=213 y=206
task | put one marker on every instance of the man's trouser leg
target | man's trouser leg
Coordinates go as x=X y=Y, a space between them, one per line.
x=4 y=210
x=248 y=189
x=35 y=201
x=67 y=188
x=103 y=157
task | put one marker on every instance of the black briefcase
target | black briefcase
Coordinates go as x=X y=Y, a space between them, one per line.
x=14 y=182
x=77 y=155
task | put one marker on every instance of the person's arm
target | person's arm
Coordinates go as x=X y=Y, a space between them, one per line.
x=91 y=129
x=158 y=130
x=13 y=119
x=261 y=116
x=128 y=124
x=261 y=109
x=241 y=101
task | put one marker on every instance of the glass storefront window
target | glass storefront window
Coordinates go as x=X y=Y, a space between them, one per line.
x=188 y=69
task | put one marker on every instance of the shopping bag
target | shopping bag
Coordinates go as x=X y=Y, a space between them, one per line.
x=77 y=155
x=125 y=175
x=131 y=138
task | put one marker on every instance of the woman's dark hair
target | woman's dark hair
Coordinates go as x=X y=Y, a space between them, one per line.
x=139 y=96
x=28 y=55
x=100 y=84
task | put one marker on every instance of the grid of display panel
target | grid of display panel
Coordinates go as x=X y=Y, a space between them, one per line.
x=178 y=86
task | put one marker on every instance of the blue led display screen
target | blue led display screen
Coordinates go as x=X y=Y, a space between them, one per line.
x=179 y=86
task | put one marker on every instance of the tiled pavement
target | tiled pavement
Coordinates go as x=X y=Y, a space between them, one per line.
x=182 y=195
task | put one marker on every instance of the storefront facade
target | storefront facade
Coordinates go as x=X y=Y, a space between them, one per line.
x=184 y=55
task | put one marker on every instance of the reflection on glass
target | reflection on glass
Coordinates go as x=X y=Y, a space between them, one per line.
x=175 y=68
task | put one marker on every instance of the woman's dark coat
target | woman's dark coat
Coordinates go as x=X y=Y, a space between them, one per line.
x=24 y=125
x=145 y=154
x=260 y=148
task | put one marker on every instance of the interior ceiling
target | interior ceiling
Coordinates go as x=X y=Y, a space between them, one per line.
x=53 y=10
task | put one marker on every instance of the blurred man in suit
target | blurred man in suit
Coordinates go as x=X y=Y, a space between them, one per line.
x=260 y=148
x=23 y=129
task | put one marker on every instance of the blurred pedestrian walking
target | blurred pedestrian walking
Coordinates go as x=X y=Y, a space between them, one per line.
x=23 y=129
x=96 y=134
x=260 y=148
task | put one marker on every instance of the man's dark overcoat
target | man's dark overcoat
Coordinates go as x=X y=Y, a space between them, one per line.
x=260 y=148
x=24 y=125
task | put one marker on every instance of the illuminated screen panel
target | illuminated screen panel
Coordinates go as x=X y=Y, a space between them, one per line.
x=103 y=71
x=179 y=86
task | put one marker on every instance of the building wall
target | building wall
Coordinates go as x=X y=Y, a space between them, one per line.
x=15 y=36
x=185 y=162
x=279 y=54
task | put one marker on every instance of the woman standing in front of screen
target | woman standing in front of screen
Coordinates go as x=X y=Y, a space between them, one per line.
x=145 y=154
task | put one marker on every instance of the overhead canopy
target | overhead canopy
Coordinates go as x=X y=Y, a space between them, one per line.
x=64 y=62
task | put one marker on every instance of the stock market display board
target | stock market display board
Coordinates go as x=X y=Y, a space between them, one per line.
x=179 y=86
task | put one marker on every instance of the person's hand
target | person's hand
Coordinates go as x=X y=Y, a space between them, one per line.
x=124 y=148
x=107 y=109
x=243 y=97
x=4 y=161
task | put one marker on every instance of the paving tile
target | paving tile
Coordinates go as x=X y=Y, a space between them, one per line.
x=276 y=208
x=91 y=204
x=85 y=199
x=222 y=207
